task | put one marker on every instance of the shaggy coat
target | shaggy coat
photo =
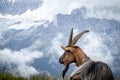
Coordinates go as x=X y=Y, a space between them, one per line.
x=92 y=70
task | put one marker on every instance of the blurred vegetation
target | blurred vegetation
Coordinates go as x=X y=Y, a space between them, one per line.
x=5 y=76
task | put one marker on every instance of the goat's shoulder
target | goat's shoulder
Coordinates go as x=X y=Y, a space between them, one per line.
x=101 y=65
x=83 y=68
x=93 y=69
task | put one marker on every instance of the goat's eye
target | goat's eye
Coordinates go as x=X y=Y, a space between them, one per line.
x=68 y=50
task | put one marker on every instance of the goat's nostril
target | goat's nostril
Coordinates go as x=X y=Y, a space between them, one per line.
x=61 y=61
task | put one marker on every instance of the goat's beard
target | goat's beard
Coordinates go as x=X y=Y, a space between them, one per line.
x=64 y=70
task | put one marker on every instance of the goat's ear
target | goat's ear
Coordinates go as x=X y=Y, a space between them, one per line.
x=64 y=48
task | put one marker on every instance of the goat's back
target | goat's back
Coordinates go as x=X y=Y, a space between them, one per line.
x=92 y=70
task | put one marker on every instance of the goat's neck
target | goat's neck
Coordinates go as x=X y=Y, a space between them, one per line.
x=80 y=57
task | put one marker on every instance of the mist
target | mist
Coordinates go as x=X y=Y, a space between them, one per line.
x=19 y=62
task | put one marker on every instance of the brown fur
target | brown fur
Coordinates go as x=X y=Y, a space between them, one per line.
x=80 y=57
x=75 y=77
x=74 y=54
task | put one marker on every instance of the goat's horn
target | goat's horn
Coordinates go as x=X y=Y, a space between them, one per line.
x=78 y=36
x=70 y=38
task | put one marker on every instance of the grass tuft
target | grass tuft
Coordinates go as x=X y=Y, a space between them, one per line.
x=6 y=76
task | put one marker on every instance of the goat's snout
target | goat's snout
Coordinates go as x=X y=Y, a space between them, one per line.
x=61 y=61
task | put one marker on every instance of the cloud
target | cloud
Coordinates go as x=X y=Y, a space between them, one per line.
x=53 y=7
x=50 y=8
x=56 y=42
x=94 y=46
x=19 y=62
x=55 y=48
x=16 y=6
x=103 y=12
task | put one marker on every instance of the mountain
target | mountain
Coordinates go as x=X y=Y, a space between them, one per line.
x=16 y=7
x=48 y=39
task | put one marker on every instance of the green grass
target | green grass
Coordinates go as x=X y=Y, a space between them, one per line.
x=10 y=77
x=42 y=77
x=6 y=76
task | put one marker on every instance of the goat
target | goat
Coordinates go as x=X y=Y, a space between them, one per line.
x=87 y=68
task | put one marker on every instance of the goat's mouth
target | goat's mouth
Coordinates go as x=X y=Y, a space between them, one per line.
x=61 y=61
x=64 y=70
